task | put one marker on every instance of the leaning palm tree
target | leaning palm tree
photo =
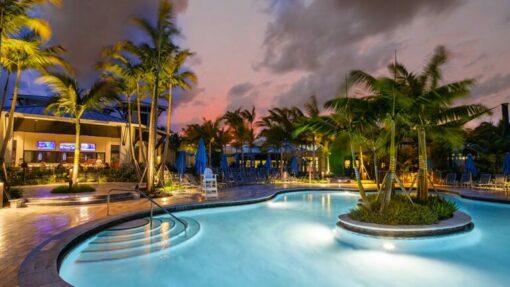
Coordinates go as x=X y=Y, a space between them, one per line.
x=174 y=77
x=23 y=54
x=313 y=111
x=71 y=100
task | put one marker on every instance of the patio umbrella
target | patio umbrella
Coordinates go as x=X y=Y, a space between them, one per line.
x=469 y=165
x=506 y=164
x=268 y=162
x=294 y=168
x=180 y=162
x=201 y=157
x=224 y=163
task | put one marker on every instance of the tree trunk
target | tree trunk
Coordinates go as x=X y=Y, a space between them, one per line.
x=140 y=131
x=313 y=157
x=4 y=93
x=167 y=133
x=8 y=133
x=77 y=146
x=130 y=136
x=422 y=163
x=210 y=153
x=151 y=150
x=388 y=184
x=376 y=168
x=362 y=193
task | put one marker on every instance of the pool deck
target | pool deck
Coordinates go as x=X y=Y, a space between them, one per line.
x=23 y=229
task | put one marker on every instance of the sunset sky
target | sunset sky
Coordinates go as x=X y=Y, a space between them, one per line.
x=279 y=52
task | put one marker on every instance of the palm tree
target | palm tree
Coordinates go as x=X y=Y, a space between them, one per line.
x=278 y=129
x=123 y=68
x=312 y=111
x=73 y=101
x=152 y=55
x=249 y=117
x=23 y=54
x=348 y=116
x=240 y=131
x=209 y=131
x=431 y=108
x=174 y=77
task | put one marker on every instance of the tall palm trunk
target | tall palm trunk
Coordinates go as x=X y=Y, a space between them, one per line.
x=151 y=152
x=390 y=177
x=77 y=146
x=167 y=134
x=362 y=192
x=4 y=93
x=376 y=168
x=422 y=165
x=281 y=162
x=210 y=152
x=140 y=131
x=130 y=136
x=313 y=156
x=8 y=133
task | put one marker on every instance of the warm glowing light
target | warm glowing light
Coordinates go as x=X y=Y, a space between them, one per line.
x=389 y=246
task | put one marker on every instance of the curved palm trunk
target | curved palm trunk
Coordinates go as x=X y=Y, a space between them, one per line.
x=77 y=146
x=10 y=124
x=167 y=134
x=362 y=192
x=422 y=164
x=313 y=157
x=390 y=177
x=140 y=131
x=4 y=93
x=130 y=136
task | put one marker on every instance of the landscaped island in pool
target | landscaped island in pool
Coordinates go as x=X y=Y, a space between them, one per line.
x=292 y=240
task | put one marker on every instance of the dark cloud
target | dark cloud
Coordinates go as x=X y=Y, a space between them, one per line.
x=240 y=89
x=496 y=84
x=325 y=37
x=84 y=27
x=183 y=97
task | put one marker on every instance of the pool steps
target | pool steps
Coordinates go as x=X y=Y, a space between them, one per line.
x=164 y=233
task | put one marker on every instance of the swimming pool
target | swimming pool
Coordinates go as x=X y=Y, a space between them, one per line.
x=292 y=240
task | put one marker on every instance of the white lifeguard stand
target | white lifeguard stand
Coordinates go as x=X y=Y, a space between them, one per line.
x=209 y=184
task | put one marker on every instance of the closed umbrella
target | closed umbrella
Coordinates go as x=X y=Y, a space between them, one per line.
x=506 y=164
x=224 y=163
x=469 y=165
x=180 y=162
x=201 y=157
x=294 y=168
x=268 y=162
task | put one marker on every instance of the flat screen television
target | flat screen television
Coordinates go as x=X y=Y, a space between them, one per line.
x=46 y=145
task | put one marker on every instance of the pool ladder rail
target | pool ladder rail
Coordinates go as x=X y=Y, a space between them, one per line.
x=152 y=201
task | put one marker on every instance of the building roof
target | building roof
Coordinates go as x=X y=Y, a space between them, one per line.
x=39 y=110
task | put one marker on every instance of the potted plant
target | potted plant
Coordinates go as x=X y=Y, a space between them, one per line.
x=16 y=199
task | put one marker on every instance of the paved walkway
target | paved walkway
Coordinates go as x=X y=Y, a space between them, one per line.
x=23 y=229
x=44 y=191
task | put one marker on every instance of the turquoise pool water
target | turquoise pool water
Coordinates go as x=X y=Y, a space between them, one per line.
x=292 y=241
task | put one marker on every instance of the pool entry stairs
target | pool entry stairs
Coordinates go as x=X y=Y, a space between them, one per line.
x=139 y=237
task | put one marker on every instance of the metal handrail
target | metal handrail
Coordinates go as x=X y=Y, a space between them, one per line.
x=152 y=201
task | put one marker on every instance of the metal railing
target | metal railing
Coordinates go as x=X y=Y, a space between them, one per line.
x=152 y=201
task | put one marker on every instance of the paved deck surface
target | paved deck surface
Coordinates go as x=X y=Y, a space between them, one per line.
x=23 y=229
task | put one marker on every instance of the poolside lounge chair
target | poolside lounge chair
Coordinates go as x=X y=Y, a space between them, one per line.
x=499 y=182
x=451 y=179
x=466 y=180
x=209 y=184
x=485 y=181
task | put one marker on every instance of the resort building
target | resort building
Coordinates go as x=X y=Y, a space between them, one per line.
x=42 y=139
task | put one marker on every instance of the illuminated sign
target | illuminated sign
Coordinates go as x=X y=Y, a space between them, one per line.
x=83 y=146
x=46 y=145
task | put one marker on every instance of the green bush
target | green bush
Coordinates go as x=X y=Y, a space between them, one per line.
x=75 y=189
x=14 y=193
x=401 y=211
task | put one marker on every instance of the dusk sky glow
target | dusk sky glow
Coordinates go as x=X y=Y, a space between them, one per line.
x=279 y=52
